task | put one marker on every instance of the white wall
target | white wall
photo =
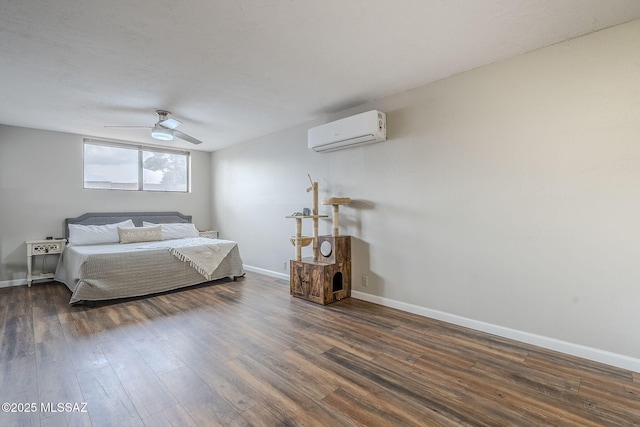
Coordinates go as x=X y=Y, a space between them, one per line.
x=509 y=194
x=41 y=184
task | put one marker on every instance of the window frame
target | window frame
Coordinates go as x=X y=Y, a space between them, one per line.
x=141 y=149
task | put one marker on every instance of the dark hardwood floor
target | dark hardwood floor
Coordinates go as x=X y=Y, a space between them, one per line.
x=246 y=353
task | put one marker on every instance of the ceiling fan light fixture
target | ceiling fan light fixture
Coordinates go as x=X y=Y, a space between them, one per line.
x=162 y=134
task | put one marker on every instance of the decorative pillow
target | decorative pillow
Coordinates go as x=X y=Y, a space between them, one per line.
x=176 y=230
x=96 y=234
x=139 y=234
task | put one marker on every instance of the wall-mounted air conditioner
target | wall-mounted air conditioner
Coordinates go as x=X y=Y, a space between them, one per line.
x=364 y=128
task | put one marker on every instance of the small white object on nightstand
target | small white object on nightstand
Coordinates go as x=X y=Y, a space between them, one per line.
x=211 y=234
x=42 y=247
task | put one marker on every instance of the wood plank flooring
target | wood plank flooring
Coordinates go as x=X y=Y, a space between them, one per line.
x=245 y=353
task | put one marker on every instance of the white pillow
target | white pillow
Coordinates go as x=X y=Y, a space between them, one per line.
x=176 y=230
x=139 y=234
x=96 y=234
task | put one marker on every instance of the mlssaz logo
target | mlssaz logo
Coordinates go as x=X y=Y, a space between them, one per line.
x=63 y=407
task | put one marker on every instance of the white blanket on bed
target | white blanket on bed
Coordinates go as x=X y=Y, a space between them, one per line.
x=205 y=258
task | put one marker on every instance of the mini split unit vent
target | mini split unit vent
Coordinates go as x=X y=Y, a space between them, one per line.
x=364 y=128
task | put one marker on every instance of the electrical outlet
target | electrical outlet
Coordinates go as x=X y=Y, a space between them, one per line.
x=365 y=280
x=284 y=265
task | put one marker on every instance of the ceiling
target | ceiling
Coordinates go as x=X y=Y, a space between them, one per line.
x=236 y=70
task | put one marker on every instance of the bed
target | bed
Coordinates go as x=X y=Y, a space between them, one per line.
x=99 y=268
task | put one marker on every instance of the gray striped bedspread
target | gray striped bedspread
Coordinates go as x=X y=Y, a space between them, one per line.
x=102 y=272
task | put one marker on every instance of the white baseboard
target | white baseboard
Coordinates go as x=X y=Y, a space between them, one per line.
x=266 y=272
x=20 y=282
x=602 y=356
x=9 y=283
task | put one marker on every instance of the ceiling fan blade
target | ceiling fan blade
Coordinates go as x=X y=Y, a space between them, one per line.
x=145 y=127
x=170 y=123
x=186 y=137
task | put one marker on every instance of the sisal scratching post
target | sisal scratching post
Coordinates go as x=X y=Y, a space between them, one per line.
x=336 y=202
x=336 y=227
x=314 y=214
x=298 y=239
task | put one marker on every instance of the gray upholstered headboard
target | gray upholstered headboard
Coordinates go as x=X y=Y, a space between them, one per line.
x=101 y=218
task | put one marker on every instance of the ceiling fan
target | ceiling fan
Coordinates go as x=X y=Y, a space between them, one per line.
x=165 y=128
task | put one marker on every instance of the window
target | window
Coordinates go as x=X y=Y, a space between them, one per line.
x=113 y=166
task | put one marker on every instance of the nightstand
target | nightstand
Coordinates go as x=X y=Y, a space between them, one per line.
x=42 y=247
x=211 y=234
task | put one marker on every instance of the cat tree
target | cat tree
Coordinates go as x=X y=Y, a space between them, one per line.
x=326 y=277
